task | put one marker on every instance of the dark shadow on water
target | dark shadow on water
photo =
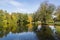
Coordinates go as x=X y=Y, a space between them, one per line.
x=45 y=35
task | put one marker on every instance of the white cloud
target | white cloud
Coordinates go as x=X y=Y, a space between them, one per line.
x=11 y=2
x=15 y=3
x=16 y=6
x=21 y=10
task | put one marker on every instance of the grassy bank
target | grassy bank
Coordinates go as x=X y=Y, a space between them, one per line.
x=58 y=31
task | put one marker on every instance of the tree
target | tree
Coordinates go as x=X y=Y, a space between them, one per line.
x=44 y=12
x=13 y=22
x=57 y=13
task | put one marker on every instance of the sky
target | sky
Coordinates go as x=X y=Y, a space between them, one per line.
x=24 y=6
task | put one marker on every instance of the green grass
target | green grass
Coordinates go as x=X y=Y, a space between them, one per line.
x=58 y=28
x=58 y=31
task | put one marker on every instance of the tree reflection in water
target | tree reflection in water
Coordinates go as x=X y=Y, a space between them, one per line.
x=8 y=34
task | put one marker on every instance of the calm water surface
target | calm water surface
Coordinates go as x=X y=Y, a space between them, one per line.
x=20 y=36
x=23 y=35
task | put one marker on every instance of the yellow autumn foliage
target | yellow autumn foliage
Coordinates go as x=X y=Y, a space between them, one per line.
x=30 y=26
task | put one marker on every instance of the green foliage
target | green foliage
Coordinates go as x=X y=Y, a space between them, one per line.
x=13 y=22
x=45 y=11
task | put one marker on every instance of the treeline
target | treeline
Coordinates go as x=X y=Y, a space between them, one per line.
x=14 y=22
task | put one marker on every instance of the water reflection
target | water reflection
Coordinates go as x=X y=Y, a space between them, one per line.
x=17 y=35
x=20 y=36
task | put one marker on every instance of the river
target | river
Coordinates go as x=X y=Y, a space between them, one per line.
x=28 y=35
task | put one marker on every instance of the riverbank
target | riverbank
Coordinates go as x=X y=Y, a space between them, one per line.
x=58 y=31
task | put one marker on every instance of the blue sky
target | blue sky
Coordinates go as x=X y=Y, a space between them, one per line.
x=24 y=6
